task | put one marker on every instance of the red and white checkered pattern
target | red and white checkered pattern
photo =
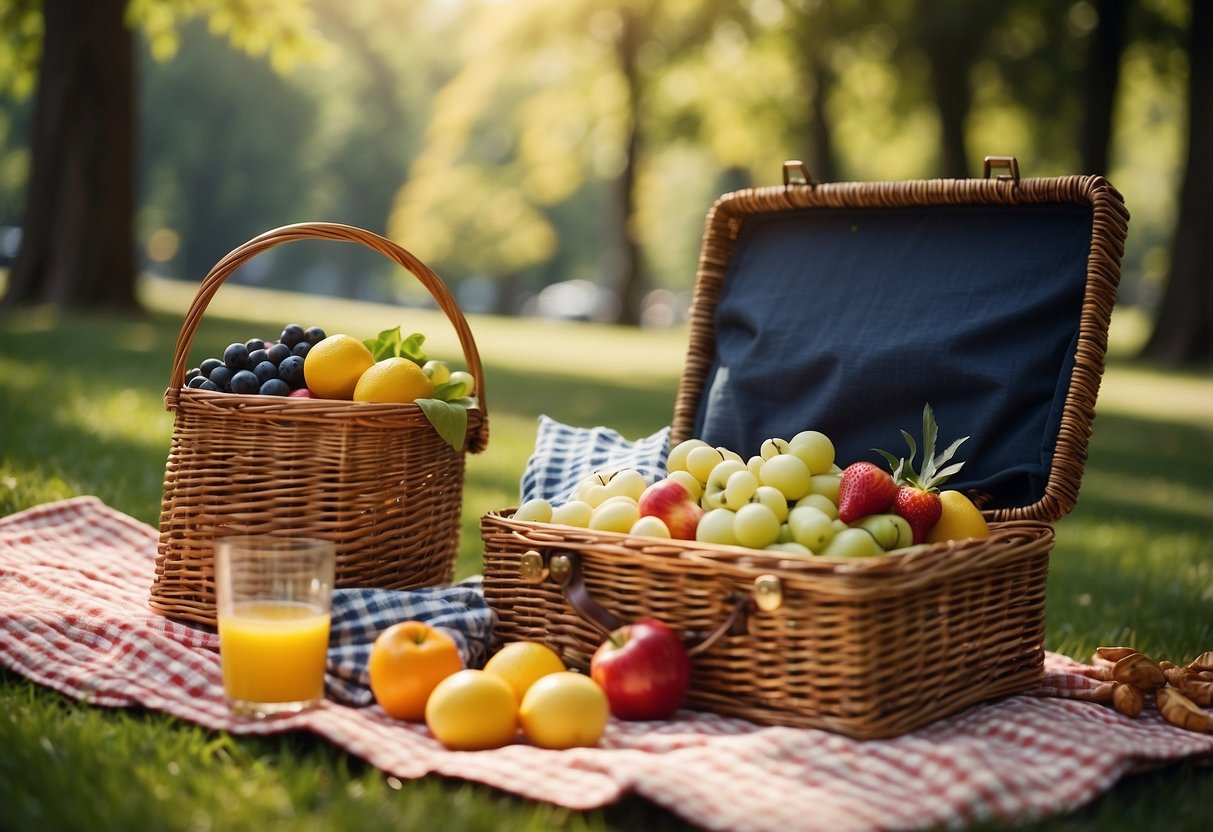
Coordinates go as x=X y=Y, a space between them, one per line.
x=74 y=582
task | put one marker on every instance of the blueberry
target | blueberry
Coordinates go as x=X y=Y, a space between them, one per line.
x=301 y=349
x=221 y=376
x=192 y=372
x=209 y=364
x=278 y=352
x=291 y=370
x=275 y=387
x=236 y=356
x=256 y=356
x=245 y=382
x=254 y=344
x=292 y=334
x=196 y=382
x=207 y=384
x=314 y=335
x=265 y=371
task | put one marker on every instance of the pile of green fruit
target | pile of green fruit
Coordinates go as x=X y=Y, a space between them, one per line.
x=790 y=498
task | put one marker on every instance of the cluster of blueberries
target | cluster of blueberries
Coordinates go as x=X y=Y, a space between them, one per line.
x=269 y=369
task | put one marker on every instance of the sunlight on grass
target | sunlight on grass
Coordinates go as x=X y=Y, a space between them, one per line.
x=541 y=345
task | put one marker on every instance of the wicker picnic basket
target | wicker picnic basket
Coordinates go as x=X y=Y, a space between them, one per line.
x=376 y=479
x=870 y=647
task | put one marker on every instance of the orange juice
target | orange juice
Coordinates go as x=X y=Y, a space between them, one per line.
x=273 y=652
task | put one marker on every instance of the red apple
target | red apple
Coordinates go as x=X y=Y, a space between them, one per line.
x=644 y=669
x=302 y=393
x=669 y=501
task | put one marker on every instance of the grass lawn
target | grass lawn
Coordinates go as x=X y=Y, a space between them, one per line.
x=81 y=412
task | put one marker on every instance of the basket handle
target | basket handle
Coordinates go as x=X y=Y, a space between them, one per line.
x=341 y=233
x=565 y=569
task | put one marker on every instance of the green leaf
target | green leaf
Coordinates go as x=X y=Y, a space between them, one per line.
x=385 y=344
x=450 y=391
x=448 y=418
x=390 y=344
x=410 y=348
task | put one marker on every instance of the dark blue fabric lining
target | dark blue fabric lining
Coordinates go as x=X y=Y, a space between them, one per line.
x=848 y=321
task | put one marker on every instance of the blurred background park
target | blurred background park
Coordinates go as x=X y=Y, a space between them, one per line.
x=557 y=157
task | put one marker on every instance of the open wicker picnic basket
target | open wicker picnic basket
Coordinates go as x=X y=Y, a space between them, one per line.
x=993 y=298
x=376 y=479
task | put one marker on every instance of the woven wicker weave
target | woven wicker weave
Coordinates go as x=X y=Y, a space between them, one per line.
x=866 y=647
x=376 y=479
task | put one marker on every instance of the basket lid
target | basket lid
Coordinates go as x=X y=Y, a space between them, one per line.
x=845 y=307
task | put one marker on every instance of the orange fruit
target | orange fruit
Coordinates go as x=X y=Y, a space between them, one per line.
x=522 y=663
x=408 y=660
x=959 y=519
x=334 y=365
x=472 y=710
x=564 y=710
x=394 y=379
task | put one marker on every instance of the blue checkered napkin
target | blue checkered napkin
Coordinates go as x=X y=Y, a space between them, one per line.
x=359 y=615
x=564 y=456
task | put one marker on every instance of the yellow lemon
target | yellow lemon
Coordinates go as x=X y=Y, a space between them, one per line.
x=472 y=710
x=334 y=365
x=960 y=519
x=522 y=663
x=564 y=710
x=393 y=380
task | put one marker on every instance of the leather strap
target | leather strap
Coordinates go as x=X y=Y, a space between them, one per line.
x=579 y=598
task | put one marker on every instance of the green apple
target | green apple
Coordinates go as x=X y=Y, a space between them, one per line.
x=852 y=543
x=677 y=458
x=820 y=501
x=755 y=526
x=627 y=482
x=437 y=370
x=617 y=514
x=890 y=530
x=725 y=453
x=534 y=510
x=789 y=548
x=810 y=527
x=773 y=447
x=718 y=479
x=687 y=480
x=701 y=460
x=754 y=463
x=825 y=485
x=573 y=513
x=773 y=499
x=787 y=473
x=650 y=526
x=463 y=385
x=814 y=448
x=593 y=489
x=716 y=526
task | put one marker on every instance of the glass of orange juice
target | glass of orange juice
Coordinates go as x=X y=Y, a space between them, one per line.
x=274 y=602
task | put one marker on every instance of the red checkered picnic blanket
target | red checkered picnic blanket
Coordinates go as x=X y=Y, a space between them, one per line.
x=74 y=584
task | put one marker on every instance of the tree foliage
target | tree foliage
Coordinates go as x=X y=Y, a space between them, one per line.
x=533 y=141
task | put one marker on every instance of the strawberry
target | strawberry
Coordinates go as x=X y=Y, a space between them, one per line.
x=920 y=508
x=917 y=497
x=864 y=488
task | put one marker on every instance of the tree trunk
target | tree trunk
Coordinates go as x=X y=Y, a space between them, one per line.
x=823 y=164
x=78 y=228
x=628 y=279
x=1183 y=330
x=950 y=84
x=1102 y=79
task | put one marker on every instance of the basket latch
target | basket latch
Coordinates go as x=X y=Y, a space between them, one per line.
x=1010 y=163
x=795 y=173
x=564 y=568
